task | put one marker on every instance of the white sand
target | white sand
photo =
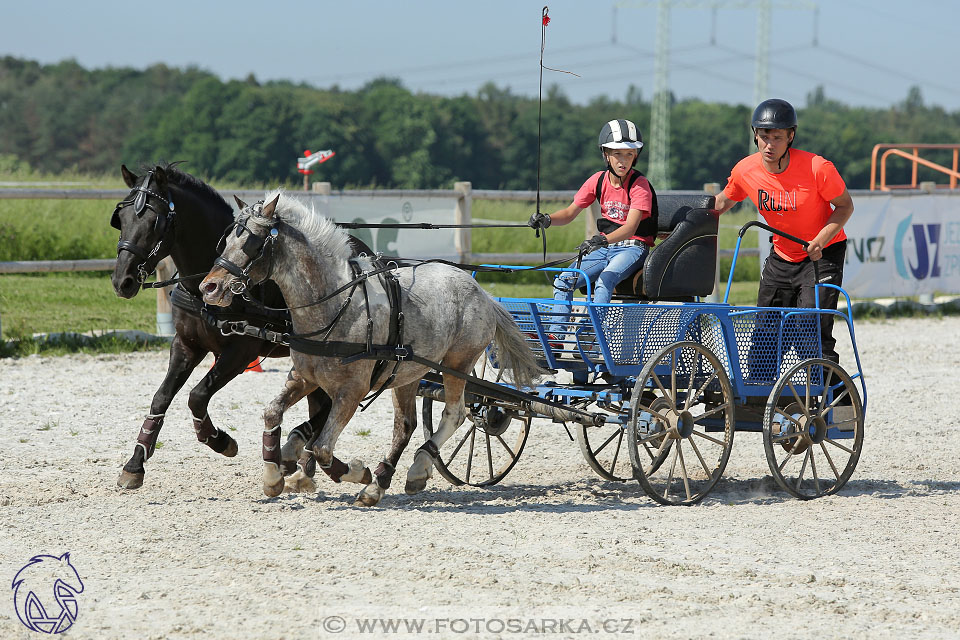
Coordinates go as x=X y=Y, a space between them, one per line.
x=199 y=552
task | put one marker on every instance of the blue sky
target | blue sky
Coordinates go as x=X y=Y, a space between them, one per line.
x=863 y=52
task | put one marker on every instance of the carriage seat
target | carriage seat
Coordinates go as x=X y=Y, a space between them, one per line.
x=683 y=263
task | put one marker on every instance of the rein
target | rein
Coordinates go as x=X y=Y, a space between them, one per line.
x=394 y=263
x=424 y=225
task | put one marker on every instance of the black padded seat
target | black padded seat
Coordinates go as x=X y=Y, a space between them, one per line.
x=683 y=264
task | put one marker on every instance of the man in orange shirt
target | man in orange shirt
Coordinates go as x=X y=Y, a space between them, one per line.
x=801 y=194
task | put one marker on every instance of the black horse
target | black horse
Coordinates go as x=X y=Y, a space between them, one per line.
x=171 y=213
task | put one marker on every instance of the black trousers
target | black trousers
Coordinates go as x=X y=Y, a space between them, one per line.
x=790 y=284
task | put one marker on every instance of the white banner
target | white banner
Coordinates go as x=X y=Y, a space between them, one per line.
x=900 y=244
x=406 y=243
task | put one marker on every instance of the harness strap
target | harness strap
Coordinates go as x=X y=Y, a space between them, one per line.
x=394 y=295
x=648 y=226
x=235 y=322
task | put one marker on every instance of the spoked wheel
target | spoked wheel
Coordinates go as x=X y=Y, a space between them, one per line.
x=813 y=429
x=681 y=424
x=484 y=448
x=605 y=447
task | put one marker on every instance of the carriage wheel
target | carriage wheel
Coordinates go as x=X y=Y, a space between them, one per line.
x=605 y=447
x=483 y=449
x=681 y=424
x=813 y=432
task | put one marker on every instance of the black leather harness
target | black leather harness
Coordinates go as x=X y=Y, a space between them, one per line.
x=394 y=350
x=252 y=318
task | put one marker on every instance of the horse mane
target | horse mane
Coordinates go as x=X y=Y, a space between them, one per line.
x=318 y=231
x=188 y=182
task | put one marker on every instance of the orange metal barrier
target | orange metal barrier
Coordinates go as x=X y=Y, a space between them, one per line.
x=915 y=159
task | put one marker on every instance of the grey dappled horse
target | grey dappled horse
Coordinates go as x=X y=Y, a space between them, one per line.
x=447 y=318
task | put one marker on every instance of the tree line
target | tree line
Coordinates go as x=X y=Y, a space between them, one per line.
x=62 y=117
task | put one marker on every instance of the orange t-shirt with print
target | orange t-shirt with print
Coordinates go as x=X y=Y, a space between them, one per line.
x=796 y=201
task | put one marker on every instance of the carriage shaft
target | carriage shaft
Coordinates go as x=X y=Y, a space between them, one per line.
x=434 y=391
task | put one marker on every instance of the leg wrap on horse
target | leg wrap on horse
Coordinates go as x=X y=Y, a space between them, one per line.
x=336 y=469
x=304 y=431
x=210 y=435
x=384 y=474
x=149 y=432
x=271 y=445
x=307 y=464
x=430 y=449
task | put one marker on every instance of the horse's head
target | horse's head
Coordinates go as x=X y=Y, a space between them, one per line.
x=145 y=219
x=247 y=254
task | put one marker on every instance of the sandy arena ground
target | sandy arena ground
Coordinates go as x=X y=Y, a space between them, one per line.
x=551 y=552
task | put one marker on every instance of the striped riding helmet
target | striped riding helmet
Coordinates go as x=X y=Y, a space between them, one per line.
x=620 y=134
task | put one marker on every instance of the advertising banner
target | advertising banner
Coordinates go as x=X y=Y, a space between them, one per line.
x=406 y=243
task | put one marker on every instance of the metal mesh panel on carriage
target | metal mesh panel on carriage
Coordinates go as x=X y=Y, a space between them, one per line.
x=770 y=341
x=571 y=330
x=634 y=333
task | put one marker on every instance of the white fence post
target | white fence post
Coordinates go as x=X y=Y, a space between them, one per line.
x=464 y=215
x=165 y=271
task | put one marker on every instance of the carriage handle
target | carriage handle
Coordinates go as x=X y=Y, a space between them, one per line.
x=803 y=243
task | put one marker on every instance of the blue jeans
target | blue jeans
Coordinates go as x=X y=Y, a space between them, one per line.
x=607 y=267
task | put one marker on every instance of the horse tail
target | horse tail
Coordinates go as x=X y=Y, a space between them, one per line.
x=512 y=351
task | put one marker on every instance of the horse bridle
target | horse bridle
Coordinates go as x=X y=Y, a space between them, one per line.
x=163 y=224
x=254 y=247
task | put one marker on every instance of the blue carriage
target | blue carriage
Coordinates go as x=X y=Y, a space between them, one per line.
x=656 y=383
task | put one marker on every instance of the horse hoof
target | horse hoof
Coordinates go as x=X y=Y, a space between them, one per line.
x=129 y=480
x=299 y=483
x=369 y=497
x=273 y=490
x=231 y=449
x=415 y=486
x=272 y=480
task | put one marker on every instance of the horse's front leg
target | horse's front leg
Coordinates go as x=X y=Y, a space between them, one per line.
x=231 y=363
x=404 y=423
x=345 y=403
x=339 y=471
x=295 y=388
x=318 y=403
x=454 y=413
x=296 y=455
x=183 y=360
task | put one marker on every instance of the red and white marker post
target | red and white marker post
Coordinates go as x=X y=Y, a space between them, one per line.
x=309 y=159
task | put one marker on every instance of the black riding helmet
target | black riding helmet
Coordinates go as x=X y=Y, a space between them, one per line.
x=620 y=134
x=774 y=114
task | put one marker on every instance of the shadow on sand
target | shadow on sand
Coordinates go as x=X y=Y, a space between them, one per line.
x=593 y=495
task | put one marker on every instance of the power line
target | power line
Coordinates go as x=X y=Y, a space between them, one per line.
x=818 y=80
x=879 y=67
x=446 y=65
